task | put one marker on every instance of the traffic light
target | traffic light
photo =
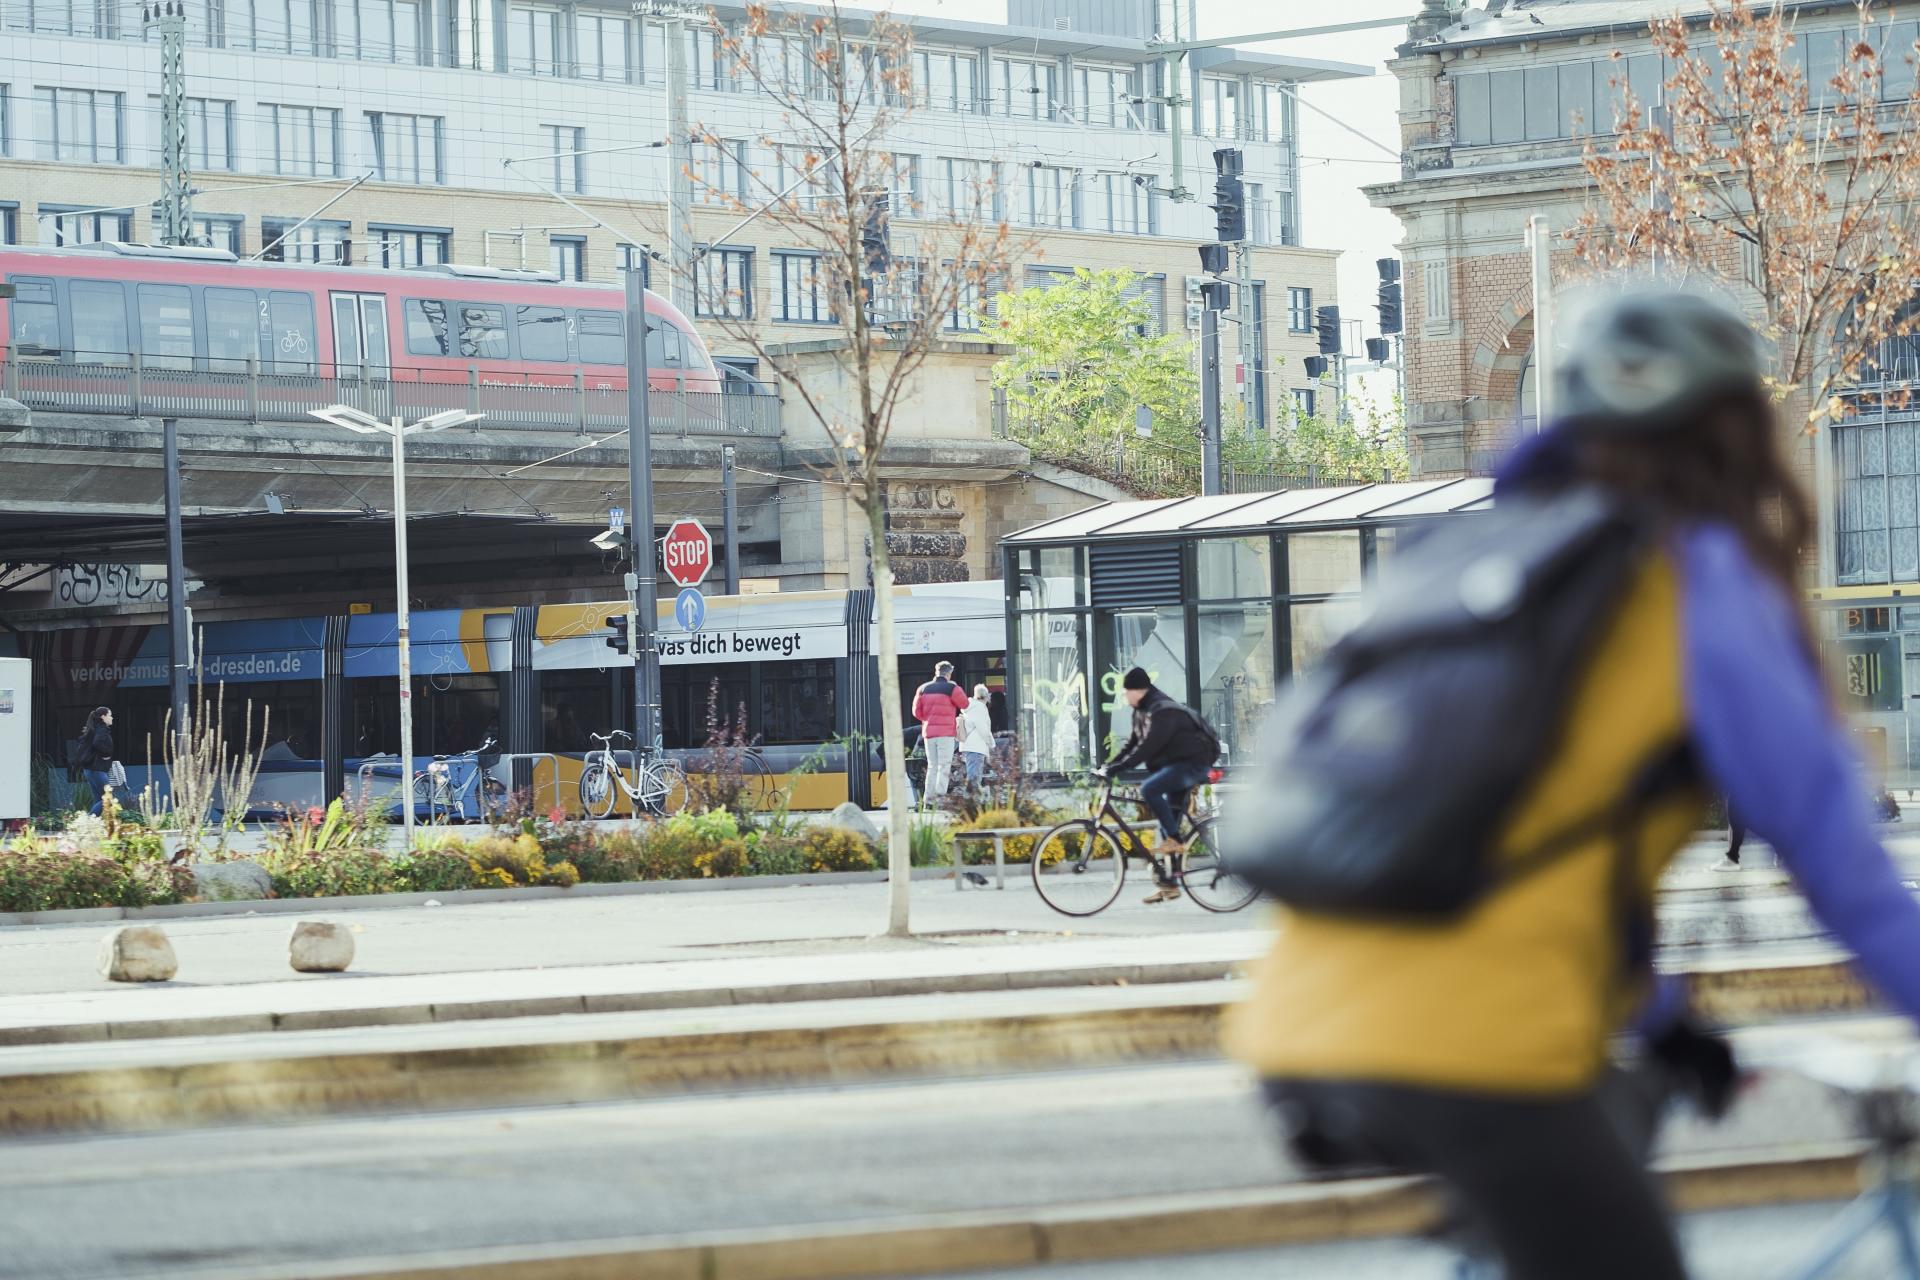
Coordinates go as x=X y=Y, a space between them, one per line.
x=1326 y=322
x=1316 y=367
x=1229 y=197
x=1389 y=302
x=1379 y=350
x=1217 y=295
x=1213 y=259
x=618 y=640
x=875 y=238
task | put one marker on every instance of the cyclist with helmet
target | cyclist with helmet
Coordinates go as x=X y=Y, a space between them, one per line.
x=1475 y=1048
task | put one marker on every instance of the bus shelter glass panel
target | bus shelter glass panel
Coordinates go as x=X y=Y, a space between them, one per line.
x=1234 y=568
x=1316 y=624
x=1236 y=673
x=1324 y=563
x=1050 y=579
x=1153 y=639
x=1051 y=649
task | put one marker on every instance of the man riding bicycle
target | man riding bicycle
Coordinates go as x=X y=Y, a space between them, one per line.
x=1179 y=747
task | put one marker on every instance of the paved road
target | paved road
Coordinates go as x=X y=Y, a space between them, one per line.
x=1744 y=1244
x=171 y=1204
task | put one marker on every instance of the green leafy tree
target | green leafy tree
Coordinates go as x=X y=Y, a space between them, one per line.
x=1085 y=358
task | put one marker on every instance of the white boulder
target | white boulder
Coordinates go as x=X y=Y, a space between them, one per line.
x=235 y=881
x=320 y=946
x=138 y=953
x=851 y=817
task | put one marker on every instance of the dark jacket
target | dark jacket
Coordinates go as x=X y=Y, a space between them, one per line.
x=100 y=748
x=1165 y=732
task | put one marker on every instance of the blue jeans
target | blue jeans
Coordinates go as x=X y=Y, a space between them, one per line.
x=976 y=763
x=98 y=777
x=1162 y=785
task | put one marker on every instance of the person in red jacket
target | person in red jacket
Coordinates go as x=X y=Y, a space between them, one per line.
x=937 y=705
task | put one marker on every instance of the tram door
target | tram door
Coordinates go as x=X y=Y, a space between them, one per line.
x=360 y=350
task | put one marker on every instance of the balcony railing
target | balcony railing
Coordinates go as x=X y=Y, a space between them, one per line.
x=120 y=385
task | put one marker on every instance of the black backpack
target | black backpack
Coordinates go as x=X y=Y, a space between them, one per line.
x=79 y=753
x=1390 y=769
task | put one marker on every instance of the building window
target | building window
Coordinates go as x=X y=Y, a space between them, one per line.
x=1125 y=199
x=724 y=283
x=1303 y=398
x=1047 y=197
x=1299 y=311
x=565 y=143
x=946 y=81
x=801 y=299
x=317 y=240
x=634 y=257
x=9 y=223
x=406 y=148
x=6 y=120
x=712 y=65
x=1220 y=107
x=719 y=171
x=906 y=186
x=403 y=247
x=533 y=40
x=1878 y=534
x=968 y=190
x=605 y=46
x=209 y=133
x=1023 y=89
x=219 y=231
x=1103 y=97
x=73 y=224
x=569 y=256
x=391 y=30
x=82 y=125
x=306 y=141
x=100 y=18
x=292 y=26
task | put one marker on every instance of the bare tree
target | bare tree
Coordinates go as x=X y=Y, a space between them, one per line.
x=840 y=86
x=1806 y=197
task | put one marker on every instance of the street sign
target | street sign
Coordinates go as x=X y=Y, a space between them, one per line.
x=687 y=552
x=617 y=519
x=691 y=609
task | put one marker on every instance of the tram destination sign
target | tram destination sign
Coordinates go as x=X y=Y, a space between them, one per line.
x=687 y=552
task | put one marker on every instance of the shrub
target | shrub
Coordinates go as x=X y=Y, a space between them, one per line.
x=777 y=856
x=723 y=859
x=831 y=849
x=561 y=875
x=516 y=858
x=44 y=874
x=929 y=844
x=615 y=858
x=436 y=869
x=335 y=872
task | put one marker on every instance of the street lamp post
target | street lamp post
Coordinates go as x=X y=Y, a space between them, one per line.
x=352 y=419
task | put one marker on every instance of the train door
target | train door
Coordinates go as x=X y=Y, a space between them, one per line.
x=360 y=350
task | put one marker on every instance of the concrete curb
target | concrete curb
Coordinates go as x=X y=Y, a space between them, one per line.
x=1157 y=1226
x=450 y=898
x=635 y=1002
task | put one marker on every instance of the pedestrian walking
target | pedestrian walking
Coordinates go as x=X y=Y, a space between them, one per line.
x=1736 y=836
x=937 y=705
x=96 y=756
x=976 y=735
x=1621 y=636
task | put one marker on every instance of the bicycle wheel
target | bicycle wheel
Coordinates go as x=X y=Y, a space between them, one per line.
x=1078 y=868
x=598 y=789
x=663 y=788
x=1208 y=880
x=757 y=775
x=494 y=800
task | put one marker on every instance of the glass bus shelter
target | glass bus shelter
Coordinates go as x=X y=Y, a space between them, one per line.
x=1220 y=598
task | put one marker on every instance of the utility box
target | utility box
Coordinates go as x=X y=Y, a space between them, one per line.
x=16 y=742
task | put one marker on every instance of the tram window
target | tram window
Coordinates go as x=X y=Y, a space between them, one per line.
x=280 y=718
x=36 y=318
x=233 y=329
x=796 y=702
x=686 y=692
x=427 y=327
x=603 y=337
x=483 y=331
x=99 y=322
x=574 y=704
x=293 y=331
x=166 y=325
x=543 y=333
x=663 y=345
x=451 y=714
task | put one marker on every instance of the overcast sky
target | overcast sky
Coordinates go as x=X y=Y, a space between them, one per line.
x=1335 y=164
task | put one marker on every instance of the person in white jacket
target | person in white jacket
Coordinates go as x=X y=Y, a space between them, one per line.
x=976 y=735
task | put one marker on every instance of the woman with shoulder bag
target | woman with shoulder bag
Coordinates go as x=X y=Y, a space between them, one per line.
x=102 y=770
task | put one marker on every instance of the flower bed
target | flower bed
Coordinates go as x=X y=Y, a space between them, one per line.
x=105 y=861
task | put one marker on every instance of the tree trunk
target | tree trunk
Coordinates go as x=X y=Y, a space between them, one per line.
x=892 y=730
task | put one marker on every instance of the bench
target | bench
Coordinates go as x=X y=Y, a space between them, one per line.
x=999 y=837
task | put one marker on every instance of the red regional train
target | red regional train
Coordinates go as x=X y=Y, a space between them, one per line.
x=203 y=310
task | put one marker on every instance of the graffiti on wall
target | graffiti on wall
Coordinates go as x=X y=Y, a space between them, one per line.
x=110 y=584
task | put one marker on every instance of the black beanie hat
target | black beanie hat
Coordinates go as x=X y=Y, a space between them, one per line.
x=1136 y=679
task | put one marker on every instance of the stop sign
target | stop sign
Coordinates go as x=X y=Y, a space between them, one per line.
x=687 y=552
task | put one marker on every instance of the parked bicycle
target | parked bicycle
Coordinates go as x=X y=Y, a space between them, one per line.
x=659 y=785
x=1080 y=866
x=452 y=788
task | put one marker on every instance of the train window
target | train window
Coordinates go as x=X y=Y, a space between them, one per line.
x=663 y=344
x=543 y=333
x=293 y=332
x=603 y=337
x=483 y=331
x=233 y=329
x=427 y=327
x=100 y=322
x=36 y=319
x=166 y=325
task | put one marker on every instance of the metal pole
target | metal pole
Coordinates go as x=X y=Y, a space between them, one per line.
x=1538 y=240
x=1209 y=400
x=178 y=642
x=730 y=508
x=1250 y=354
x=680 y=181
x=175 y=205
x=402 y=614
x=642 y=588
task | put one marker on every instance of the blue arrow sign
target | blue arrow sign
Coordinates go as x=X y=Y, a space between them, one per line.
x=690 y=607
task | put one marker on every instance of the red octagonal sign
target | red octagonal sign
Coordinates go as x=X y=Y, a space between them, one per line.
x=687 y=552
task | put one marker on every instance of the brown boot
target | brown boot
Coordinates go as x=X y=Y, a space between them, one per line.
x=1165 y=893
